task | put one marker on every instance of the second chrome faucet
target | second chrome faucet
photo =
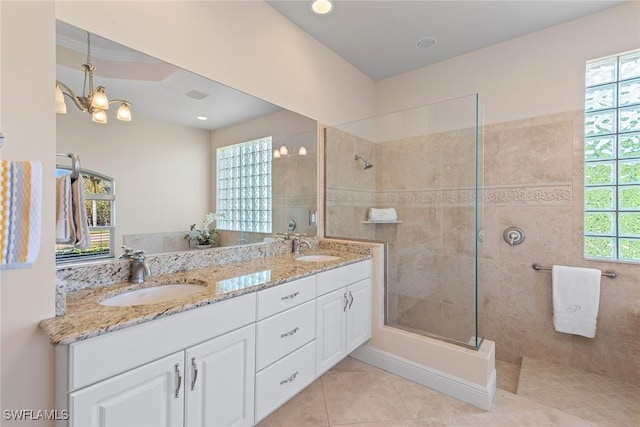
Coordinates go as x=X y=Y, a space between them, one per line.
x=298 y=241
x=139 y=267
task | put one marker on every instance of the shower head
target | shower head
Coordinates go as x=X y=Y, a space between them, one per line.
x=367 y=165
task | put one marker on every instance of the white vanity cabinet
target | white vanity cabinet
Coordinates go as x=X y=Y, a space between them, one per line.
x=343 y=313
x=230 y=363
x=195 y=368
x=285 y=337
x=219 y=380
x=143 y=397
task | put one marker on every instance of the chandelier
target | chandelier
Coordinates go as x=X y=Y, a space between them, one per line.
x=92 y=101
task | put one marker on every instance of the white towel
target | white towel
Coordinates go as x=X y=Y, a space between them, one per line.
x=382 y=214
x=64 y=210
x=576 y=298
x=80 y=221
x=20 y=213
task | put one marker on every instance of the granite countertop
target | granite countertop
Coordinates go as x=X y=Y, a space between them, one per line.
x=86 y=318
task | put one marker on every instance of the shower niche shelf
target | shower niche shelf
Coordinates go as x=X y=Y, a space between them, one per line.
x=380 y=222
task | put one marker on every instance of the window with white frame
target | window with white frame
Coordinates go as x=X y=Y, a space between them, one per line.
x=100 y=206
x=244 y=186
x=612 y=158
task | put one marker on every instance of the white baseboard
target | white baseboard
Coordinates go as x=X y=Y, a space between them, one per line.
x=458 y=388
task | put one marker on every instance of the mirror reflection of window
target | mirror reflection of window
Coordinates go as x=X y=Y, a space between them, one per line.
x=244 y=186
x=100 y=205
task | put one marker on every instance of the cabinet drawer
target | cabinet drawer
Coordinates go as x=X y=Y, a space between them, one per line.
x=282 y=297
x=340 y=277
x=283 y=333
x=282 y=380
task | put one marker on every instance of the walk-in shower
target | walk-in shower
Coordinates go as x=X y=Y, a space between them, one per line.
x=429 y=169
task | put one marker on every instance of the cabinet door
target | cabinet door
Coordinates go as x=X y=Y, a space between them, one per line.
x=220 y=380
x=358 y=314
x=330 y=330
x=151 y=395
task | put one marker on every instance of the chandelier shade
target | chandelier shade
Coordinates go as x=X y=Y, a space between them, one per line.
x=92 y=101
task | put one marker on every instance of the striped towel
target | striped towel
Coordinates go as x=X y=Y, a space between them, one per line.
x=20 y=213
x=64 y=210
x=80 y=221
x=72 y=226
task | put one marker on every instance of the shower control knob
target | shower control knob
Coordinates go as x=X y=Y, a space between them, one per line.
x=513 y=236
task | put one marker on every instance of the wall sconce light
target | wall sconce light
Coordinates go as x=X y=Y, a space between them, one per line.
x=283 y=151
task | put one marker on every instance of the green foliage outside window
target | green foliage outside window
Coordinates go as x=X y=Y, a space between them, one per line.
x=612 y=158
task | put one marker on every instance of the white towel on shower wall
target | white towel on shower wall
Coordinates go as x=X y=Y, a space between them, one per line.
x=576 y=299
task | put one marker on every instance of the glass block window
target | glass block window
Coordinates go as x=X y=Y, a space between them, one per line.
x=100 y=202
x=612 y=158
x=244 y=186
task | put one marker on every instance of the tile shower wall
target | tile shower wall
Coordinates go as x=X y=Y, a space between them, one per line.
x=534 y=179
x=533 y=172
x=350 y=188
x=429 y=180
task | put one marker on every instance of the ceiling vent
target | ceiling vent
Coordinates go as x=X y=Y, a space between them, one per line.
x=196 y=95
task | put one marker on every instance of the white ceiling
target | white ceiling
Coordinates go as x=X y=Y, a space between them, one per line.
x=379 y=37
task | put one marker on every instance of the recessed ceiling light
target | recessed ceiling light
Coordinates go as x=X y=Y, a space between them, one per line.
x=201 y=118
x=426 y=42
x=322 y=7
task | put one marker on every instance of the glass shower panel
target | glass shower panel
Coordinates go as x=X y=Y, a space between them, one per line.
x=427 y=165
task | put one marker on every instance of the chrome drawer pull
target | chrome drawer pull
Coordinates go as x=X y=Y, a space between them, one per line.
x=346 y=302
x=194 y=369
x=350 y=300
x=293 y=295
x=291 y=332
x=291 y=378
x=179 y=380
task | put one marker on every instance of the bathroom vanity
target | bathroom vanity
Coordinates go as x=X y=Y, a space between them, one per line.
x=228 y=362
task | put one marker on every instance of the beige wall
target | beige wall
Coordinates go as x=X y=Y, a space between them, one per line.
x=151 y=161
x=533 y=75
x=542 y=193
x=243 y=44
x=285 y=67
x=533 y=172
x=249 y=46
x=28 y=72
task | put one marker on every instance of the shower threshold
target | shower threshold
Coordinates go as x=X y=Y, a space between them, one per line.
x=469 y=344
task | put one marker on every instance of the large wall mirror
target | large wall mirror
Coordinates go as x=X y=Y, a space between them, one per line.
x=164 y=162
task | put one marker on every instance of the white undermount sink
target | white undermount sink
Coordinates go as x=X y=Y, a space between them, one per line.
x=317 y=258
x=153 y=295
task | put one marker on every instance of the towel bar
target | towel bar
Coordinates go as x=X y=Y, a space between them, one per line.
x=537 y=266
x=75 y=163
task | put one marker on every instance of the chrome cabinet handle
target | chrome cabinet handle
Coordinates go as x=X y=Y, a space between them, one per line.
x=346 y=302
x=179 y=380
x=291 y=332
x=194 y=369
x=291 y=378
x=350 y=300
x=293 y=295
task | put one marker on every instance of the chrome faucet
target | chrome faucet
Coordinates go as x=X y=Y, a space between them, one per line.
x=298 y=242
x=139 y=267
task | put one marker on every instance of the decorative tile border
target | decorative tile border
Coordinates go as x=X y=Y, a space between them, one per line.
x=560 y=193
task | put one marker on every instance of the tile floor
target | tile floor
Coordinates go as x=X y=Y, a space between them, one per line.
x=589 y=396
x=356 y=394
